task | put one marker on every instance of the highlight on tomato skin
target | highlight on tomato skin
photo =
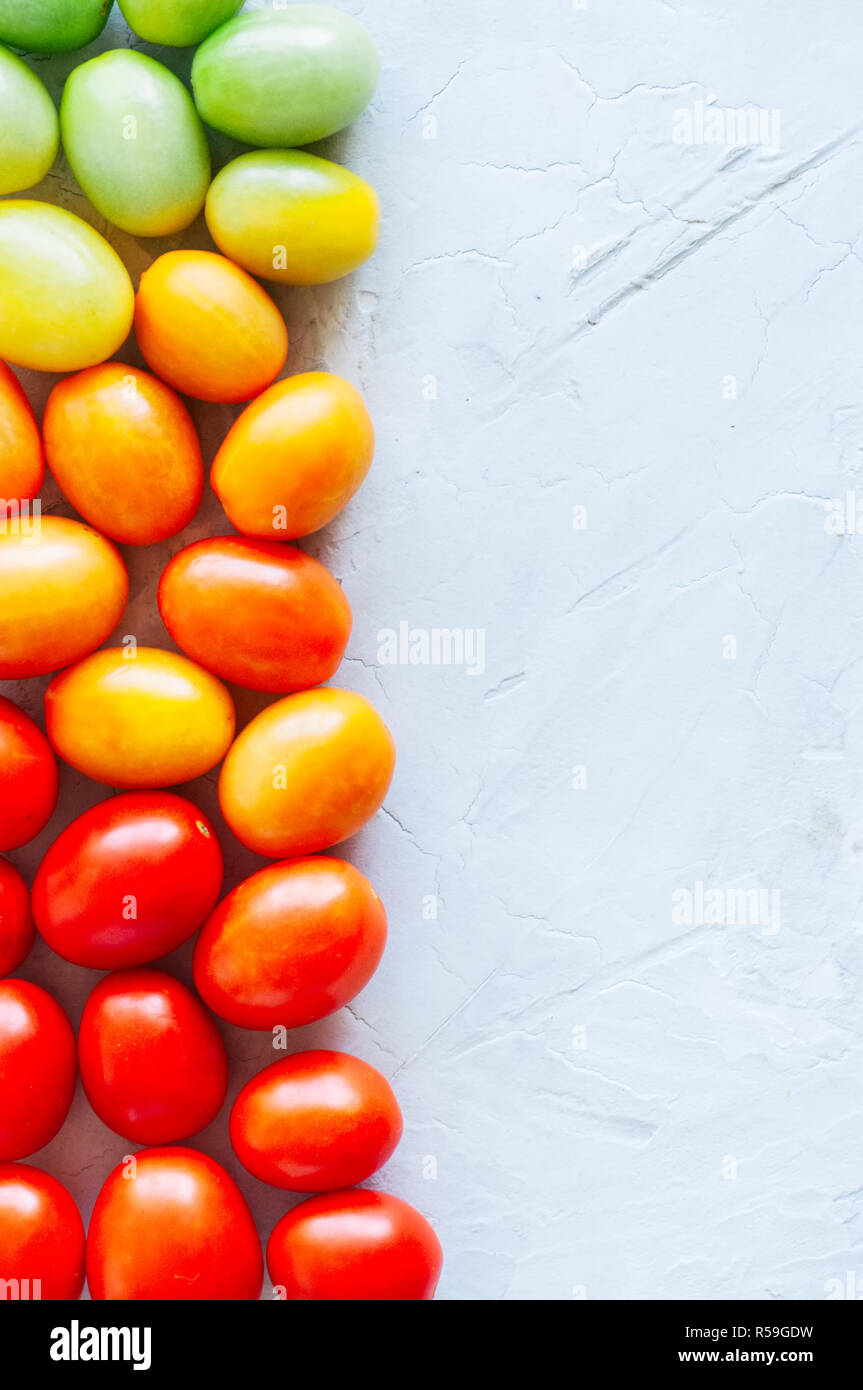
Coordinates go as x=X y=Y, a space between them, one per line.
x=38 y=1068
x=42 y=1241
x=29 y=779
x=356 y=1246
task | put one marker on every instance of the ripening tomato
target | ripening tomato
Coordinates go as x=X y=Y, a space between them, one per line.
x=207 y=328
x=171 y=1224
x=124 y=450
x=315 y=1121
x=41 y=1235
x=29 y=130
x=17 y=932
x=152 y=1061
x=52 y=26
x=142 y=718
x=263 y=615
x=37 y=1068
x=295 y=457
x=307 y=772
x=356 y=1246
x=63 y=589
x=128 y=881
x=28 y=777
x=291 y=944
x=22 y=465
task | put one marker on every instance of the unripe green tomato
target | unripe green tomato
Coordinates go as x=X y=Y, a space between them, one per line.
x=135 y=144
x=177 y=23
x=66 y=297
x=29 y=130
x=52 y=26
x=288 y=216
x=285 y=77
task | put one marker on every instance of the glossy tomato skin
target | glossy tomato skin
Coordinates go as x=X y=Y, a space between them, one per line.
x=17 y=932
x=37 y=1068
x=356 y=1246
x=263 y=615
x=128 y=881
x=41 y=1233
x=208 y=328
x=315 y=1121
x=123 y=448
x=295 y=457
x=291 y=944
x=22 y=463
x=152 y=1061
x=172 y=1224
x=152 y=721
x=62 y=592
x=307 y=772
x=28 y=777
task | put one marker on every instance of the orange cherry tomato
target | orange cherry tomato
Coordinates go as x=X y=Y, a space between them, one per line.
x=37 y=1068
x=150 y=721
x=263 y=615
x=124 y=450
x=206 y=327
x=170 y=1224
x=152 y=1061
x=291 y=944
x=17 y=930
x=307 y=772
x=28 y=778
x=62 y=592
x=315 y=1121
x=356 y=1246
x=41 y=1235
x=22 y=466
x=295 y=457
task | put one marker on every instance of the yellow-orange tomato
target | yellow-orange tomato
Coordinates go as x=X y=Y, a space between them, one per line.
x=143 y=719
x=206 y=327
x=306 y=773
x=295 y=457
x=124 y=450
x=63 y=589
x=22 y=466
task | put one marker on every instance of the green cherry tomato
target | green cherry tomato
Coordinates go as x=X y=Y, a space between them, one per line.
x=135 y=144
x=288 y=216
x=286 y=77
x=52 y=26
x=177 y=23
x=29 y=129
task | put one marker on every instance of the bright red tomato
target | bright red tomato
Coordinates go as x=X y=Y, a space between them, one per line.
x=315 y=1121
x=28 y=777
x=172 y=1224
x=17 y=932
x=41 y=1234
x=128 y=881
x=291 y=944
x=152 y=1061
x=37 y=1068
x=355 y=1246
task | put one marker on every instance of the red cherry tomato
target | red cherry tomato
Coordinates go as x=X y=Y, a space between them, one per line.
x=152 y=1061
x=128 y=881
x=171 y=1224
x=41 y=1234
x=37 y=1068
x=315 y=1121
x=291 y=944
x=355 y=1246
x=17 y=932
x=28 y=777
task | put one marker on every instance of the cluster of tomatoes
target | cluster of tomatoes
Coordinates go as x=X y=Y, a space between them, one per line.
x=140 y=873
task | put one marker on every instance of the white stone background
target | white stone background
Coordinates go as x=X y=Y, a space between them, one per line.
x=585 y=292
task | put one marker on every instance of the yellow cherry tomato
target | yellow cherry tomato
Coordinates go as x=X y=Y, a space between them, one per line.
x=63 y=589
x=139 y=717
x=307 y=772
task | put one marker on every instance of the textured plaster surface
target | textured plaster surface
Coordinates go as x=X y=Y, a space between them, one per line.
x=617 y=379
